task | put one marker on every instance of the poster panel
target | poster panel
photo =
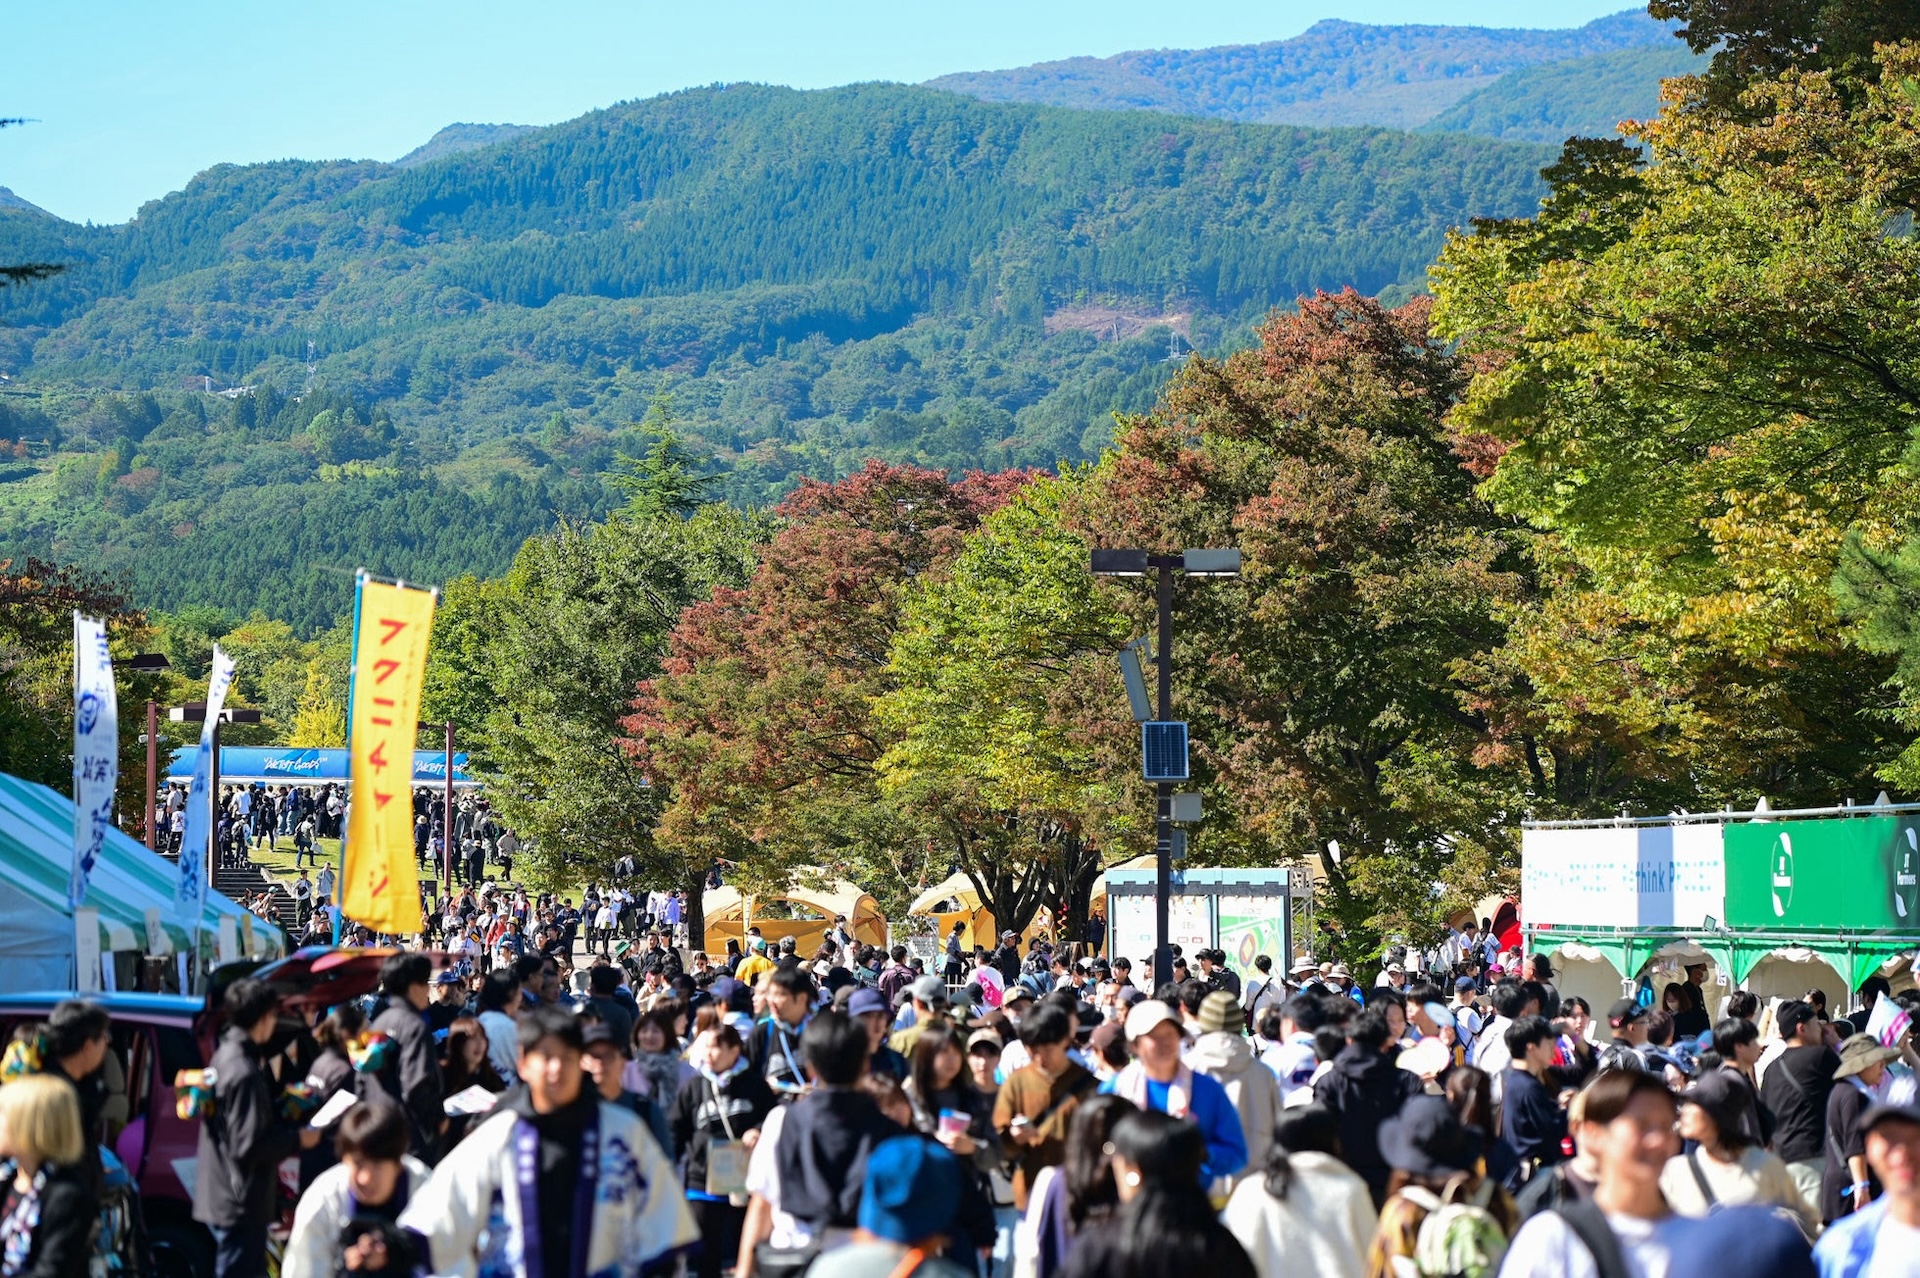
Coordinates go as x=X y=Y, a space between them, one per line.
x=1627 y=877
x=1251 y=926
x=1852 y=873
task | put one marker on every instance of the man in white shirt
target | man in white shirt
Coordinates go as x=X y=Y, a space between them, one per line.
x=323 y=883
x=1292 y=1059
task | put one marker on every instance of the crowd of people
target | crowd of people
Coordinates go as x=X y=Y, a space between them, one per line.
x=843 y=1112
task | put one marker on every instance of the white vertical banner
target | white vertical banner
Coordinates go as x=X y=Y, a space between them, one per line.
x=190 y=897
x=96 y=752
x=228 y=949
x=86 y=950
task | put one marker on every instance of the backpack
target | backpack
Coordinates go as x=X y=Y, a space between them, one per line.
x=1459 y=1238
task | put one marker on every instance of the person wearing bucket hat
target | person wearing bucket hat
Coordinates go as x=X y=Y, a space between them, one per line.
x=1160 y=1080
x=1436 y=1159
x=1846 y=1184
x=906 y=1215
x=1223 y=1054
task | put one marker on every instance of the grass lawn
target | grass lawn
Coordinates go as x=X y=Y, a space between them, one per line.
x=278 y=866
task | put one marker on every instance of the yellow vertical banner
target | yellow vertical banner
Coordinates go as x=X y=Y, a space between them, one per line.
x=379 y=884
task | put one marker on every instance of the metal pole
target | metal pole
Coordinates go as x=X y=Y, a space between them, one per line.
x=213 y=798
x=153 y=764
x=446 y=838
x=1163 y=817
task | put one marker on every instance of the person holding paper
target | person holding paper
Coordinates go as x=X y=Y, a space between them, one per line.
x=244 y=1141
x=374 y=1179
x=716 y=1123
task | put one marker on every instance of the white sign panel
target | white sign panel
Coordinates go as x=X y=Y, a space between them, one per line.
x=1630 y=876
x=86 y=949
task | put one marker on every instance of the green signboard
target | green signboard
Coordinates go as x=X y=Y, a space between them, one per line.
x=1858 y=874
x=1249 y=926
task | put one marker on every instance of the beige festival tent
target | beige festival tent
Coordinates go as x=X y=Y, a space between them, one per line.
x=726 y=911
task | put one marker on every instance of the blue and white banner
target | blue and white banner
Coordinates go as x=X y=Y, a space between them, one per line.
x=190 y=898
x=96 y=751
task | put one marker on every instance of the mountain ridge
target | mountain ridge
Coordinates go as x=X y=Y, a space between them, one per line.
x=292 y=366
x=1335 y=73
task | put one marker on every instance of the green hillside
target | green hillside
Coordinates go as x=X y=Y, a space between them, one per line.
x=1585 y=97
x=1334 y=73
x=793 y=281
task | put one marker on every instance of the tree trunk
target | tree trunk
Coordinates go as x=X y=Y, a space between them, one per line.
x=1011 y=892
x=696 y=908
x=1079 y=867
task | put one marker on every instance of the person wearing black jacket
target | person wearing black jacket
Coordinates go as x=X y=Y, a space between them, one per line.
x=1795 y=1087
x=77 y=1036
x=411 y=1075
x=1007 y=958
x=1364 y=1088
x=244 y=1139
x=825 y=1137
x=728 y=1103
x=661 y=957
x=49 y=1206
x=1532 y=1123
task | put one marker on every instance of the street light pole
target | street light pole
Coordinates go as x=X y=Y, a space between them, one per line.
x=1163 y=800
x=1137 y=563
x=148 y=661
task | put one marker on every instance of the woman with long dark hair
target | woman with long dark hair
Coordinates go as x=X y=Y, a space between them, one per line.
x=1308 y=1215
x=946 y=1105
x=1166 y=1223
x=1470 y=1092
x=1079 y=1194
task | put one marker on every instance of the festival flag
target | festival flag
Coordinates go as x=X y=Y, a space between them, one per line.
x=378 y=883
x=190 y=896
x=96 y=751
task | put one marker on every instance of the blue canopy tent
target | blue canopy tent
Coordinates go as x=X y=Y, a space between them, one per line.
x=37 y=936
x=244 y=765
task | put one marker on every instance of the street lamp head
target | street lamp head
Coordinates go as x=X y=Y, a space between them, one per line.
x=1211 y=563
x=143 y=661
x=1119 y=563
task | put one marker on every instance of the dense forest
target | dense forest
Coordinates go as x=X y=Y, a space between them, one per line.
x=288 y=370
x=1583 y=97
x=1350 y=73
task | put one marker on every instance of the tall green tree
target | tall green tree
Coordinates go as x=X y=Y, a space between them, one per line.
x=1696 y=378
x=1009 y=729
x=583 y=619
x=1322 y=684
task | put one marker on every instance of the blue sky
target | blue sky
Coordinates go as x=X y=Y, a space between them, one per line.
x=132 y=98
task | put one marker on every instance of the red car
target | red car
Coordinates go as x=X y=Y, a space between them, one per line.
x=155 y=1036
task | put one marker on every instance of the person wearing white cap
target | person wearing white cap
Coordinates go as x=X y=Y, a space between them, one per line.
x=1159 y=1080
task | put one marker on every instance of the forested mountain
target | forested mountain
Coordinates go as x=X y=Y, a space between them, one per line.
x=297 y=366
x=456 y=138
x=1334 y=73
x=1583 y=97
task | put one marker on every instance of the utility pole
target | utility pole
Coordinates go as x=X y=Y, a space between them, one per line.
x=153 y=765
x=447 y=844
